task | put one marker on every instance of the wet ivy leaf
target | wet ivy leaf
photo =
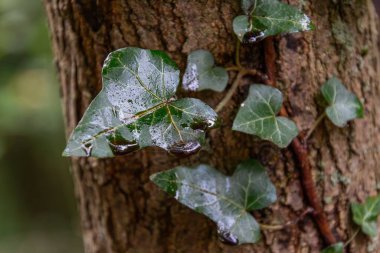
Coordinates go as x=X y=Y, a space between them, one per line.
x=257 y=116
x=137 y=108
x=267 y=18
x=343 y=105
x=365 y=215
x=201 y=74
x=335 y=248
x=225 y=200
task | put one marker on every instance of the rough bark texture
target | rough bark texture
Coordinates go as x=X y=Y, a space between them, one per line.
x=122 y=211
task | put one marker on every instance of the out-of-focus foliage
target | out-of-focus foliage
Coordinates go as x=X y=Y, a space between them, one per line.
x=37 y=212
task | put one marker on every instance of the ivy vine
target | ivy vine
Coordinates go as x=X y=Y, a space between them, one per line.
x=137 y=108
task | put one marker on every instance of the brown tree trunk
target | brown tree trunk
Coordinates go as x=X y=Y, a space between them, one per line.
x=122 y=211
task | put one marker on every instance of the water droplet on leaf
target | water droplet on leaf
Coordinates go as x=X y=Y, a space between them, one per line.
x=185 y=149
x=202 y=124
x=227 y=238
x=121 y=146
x=122 y=149
x=252 y=37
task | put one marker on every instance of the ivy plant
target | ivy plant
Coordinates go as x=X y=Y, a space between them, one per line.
x=263 y=18
x=137 y=108
x=365 y=215
x=342 y=104
x=257 y=116
x=225 y=200
x=201 y=74
x=335 y=248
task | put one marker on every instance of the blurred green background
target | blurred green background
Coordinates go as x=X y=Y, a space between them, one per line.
x=37 y=206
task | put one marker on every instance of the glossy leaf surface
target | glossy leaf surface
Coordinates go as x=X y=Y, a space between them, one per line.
x=201 y=74
x=257 y=116
x=267 y=18
x=335 y=248
x=365 y=215
x=225 y=200
x=343 y=105
x=137 y=108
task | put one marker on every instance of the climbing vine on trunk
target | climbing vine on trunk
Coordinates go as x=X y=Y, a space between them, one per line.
x=137 y=108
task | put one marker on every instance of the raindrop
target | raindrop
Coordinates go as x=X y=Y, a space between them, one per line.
x=121 y=146
x=252 y=37
x=200 y=124
x=185 y=149
x=125 y=148
x=227 y=237
x=214 y=123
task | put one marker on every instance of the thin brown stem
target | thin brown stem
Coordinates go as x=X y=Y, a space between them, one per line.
x=233 y=68
x=272 y=227
x=314 y=126
x=231 y=91
x=289 y=223
x=237 y=53
x=352 y=237
x=301 y=154
x=235 y=85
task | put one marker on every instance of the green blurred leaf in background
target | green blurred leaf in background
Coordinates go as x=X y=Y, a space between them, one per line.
x=37 y=209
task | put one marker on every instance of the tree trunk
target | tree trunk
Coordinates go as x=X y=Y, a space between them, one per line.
x=122 y=211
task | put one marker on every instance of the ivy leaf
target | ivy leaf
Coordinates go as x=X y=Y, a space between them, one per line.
x=343 y=105
x=335 y=248
x=242 y=28
x=365 y=215
x=201 y=74
x=225 y=200
x=257 y=116
x=267 y=18
x=137 y=108
x=246 y=5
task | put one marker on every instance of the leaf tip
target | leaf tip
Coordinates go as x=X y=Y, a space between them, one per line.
x=185 y=149
x=66 y=152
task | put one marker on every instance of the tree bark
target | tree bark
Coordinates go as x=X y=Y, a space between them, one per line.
x=122 y=211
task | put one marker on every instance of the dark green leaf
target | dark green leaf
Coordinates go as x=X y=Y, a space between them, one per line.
x=257 y=116
x=267 y=18
x=201 y=74
x=225 y=200
x=343 y=105
x=336 y=248
x=137 y=108
x=365 y=215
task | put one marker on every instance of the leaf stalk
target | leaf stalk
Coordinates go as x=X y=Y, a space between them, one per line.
x=314 y=126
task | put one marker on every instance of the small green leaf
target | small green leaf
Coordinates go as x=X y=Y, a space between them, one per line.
x=201 y=74
x=246 y=5
x=241 y=26
x=365 y=215
x=335 y=248
x=225 y=200
x=137 y=108
x=267 y=18
x=343 y=105
x=257 y=116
